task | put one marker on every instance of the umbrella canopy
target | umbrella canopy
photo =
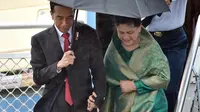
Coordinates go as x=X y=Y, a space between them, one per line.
x=128 y=8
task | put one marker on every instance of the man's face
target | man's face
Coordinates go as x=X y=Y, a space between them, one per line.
x=63 y=18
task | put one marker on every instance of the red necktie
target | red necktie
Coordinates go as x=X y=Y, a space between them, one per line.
x=68 y=97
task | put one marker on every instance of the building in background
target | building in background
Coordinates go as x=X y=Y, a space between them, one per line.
x=24 y=12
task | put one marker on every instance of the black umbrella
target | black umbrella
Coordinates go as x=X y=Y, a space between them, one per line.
x=128 y=8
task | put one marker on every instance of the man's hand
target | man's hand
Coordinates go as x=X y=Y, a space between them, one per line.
x=91 y=104
x=67 y=59
x=127 y=86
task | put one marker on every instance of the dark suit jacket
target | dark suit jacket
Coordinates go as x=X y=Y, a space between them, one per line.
x=46 y=52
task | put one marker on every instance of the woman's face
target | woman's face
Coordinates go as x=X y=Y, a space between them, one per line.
x=128 y=34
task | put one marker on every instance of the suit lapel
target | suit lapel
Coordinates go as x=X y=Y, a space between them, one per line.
x=54 y=40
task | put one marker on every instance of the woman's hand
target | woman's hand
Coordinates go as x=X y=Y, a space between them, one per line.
x=127 y=86
x=91 y=104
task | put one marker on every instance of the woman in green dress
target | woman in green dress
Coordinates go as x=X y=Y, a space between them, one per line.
x=137 y=70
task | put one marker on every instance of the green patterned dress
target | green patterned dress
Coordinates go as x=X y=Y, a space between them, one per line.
x=146 y=66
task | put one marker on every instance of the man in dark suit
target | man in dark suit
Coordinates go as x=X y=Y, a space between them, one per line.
x=66 y=73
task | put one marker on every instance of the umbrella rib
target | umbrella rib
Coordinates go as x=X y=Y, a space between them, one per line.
x=105 y=9
x=74 y=6
x=136 y=1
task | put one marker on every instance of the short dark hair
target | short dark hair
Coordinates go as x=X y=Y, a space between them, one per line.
x=126 y=20
x=52 y=5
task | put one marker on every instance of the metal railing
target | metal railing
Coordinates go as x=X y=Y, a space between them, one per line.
x=188 y=69
x=18 y=93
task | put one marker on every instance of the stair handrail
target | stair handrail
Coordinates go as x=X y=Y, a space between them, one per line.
x=188 y=69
